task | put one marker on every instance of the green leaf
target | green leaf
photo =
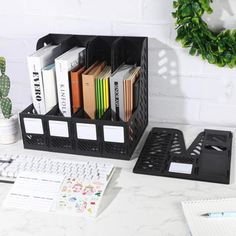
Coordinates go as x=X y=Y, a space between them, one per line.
x=186 y=10
x=174 y=14
x=175 y=4
x=211 y=59
x=197 y=8
x=4 y=85
x=2 y=65
x=6 y=106
x=192 y=51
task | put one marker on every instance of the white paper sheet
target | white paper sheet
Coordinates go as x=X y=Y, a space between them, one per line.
x=34 y=191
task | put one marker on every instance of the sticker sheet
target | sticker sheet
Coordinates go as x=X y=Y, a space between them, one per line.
x=81 y=197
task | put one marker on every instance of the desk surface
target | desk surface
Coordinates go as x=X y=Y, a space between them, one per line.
x=133 y=205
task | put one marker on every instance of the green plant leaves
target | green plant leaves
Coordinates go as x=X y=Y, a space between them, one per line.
x=194 y=33
x=4 y=85
x=5 y=102
x=6 y=106
x=2 y=65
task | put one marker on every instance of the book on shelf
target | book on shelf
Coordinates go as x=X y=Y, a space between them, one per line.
x=49 y=85
x=89 y=90
x=36 y=62
x=76 y=87
x=136 y=92
x=129 y=95
x=117 y=91
x=102 y=91
x=64 y=64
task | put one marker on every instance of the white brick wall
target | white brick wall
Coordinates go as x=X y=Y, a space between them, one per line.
x=182 y=88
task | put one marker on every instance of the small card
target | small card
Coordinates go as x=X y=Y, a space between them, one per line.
x=58 y=128
x=182 y=168
x=86 y=131
x=34 y=191
x=33 y=126
x=113 y=134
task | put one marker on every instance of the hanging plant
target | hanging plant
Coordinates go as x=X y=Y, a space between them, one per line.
x=193 y=33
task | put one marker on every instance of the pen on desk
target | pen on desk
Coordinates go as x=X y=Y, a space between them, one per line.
x=220 y=214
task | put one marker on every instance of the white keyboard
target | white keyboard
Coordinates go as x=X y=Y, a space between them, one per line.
x=11 y=165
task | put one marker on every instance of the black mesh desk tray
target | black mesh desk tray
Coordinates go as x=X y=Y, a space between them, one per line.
x=207 y=159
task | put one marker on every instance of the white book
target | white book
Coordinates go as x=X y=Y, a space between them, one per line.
x=64 y=64
x=49 y=85
x=117 y=91
x=36 y=62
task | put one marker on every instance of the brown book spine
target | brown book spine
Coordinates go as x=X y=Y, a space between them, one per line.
x=89 y=99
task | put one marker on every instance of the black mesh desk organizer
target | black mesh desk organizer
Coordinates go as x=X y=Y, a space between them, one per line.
x=115 y=51
x=209 y=155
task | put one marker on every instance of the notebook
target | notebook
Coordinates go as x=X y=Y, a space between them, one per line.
x=200 y=225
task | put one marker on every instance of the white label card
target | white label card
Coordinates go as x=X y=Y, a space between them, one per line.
x=113 y=134
x=182 y=168
x=33 y=126
x=34 y=191
x=58 y=128
x=86 y=131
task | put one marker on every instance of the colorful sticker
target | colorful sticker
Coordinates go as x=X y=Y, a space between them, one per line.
x=80 y=196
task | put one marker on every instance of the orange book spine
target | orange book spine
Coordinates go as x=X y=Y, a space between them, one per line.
x=75 y=91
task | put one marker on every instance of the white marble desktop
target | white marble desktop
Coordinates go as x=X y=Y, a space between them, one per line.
x=133 y=205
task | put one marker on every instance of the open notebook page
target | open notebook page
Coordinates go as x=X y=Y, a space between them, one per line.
x=200 y=225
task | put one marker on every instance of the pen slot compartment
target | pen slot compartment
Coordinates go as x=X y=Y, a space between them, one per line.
x=127 y=50
x=99 y=49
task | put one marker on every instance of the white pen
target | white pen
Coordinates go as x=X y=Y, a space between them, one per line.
x=220 y=214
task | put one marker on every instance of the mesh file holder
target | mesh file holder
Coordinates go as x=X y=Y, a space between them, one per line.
x=207 y=159
x=115 y=50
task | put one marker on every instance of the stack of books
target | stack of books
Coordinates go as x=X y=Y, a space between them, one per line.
x=64 y=80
